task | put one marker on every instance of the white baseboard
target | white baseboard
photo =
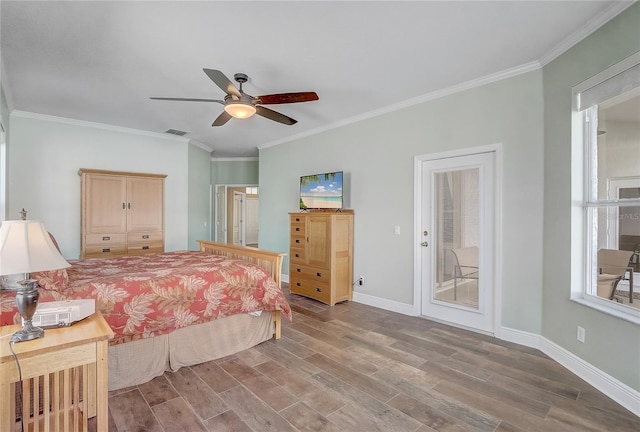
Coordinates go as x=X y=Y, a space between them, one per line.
x=390 y=305
x=616 y=390
x=520 y=337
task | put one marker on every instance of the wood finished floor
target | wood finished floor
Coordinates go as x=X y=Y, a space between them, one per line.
x=353 y=367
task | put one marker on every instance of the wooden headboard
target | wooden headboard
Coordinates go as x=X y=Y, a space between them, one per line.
x=270 y=261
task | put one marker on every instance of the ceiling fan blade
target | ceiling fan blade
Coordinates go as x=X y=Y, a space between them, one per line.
x=222 y=81
x=275 y=116
x=283 y=98
x=188 y=99
x=222 y=119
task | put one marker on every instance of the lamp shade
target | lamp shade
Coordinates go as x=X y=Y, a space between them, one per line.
x=26 y=247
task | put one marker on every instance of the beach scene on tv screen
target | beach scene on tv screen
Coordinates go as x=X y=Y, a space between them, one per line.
x=321 y=191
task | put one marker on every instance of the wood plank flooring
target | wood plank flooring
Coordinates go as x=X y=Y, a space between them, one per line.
x=353 y=367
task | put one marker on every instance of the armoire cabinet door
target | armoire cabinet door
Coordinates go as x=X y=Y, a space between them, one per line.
x=105 y=204
x=145 y=204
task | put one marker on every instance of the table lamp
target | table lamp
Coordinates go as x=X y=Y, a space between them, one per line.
x=26 y=247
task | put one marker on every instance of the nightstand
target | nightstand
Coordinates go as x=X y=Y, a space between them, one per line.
x=66 y=371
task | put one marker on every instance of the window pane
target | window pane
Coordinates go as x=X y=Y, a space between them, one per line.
x=618 y=144
x=616 y=239
x=457 y=217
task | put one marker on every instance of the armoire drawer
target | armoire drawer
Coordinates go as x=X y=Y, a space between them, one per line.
x=320 y=291
x=104 y=250
x=100 y=239
x=146 y=237
x=314 y=273
x=140 y=248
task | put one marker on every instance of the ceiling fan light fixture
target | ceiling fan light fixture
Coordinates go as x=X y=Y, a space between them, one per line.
x=240 y=110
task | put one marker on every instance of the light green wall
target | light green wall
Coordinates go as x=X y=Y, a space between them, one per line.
x=46 y=153
x=377 y=156
x=612 y=345
x=4 y=115
x=234 y=172
x=199 y=196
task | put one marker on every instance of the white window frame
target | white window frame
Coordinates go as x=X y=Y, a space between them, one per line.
x=585 y=202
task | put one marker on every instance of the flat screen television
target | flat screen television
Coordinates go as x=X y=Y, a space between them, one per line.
x=321 y=191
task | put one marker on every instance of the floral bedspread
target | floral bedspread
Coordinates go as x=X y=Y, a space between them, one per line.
x=150 y=295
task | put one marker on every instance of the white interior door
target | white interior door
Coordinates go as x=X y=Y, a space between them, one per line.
x=457 y=240
x=252 y=221
x=221 y=214
x=238 y=218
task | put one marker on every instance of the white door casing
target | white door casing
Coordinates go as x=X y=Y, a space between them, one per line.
x=467 y=200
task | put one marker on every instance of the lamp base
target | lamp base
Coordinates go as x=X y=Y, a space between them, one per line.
x=27 y=302
x=27 y=332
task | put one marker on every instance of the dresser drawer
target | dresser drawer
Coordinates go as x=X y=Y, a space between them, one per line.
x=145 y=237
x=297 y=255
x=104 y=239
x=297 y=228
x=144 y=248
x=307 y=272
x=297 y=219
x=297 y=241
x=320 y=291
x=104 y=250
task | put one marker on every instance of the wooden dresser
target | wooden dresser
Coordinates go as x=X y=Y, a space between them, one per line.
x=321 y=255
x=122 y=213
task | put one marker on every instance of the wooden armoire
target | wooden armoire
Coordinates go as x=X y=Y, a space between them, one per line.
x=122 y=213
x=321 y=255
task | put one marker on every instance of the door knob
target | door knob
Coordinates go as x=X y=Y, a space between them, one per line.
x=424 y=244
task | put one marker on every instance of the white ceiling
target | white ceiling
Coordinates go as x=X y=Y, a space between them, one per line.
x=100 y=61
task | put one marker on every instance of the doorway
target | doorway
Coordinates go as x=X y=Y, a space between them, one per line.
x=236 y=214
x=456 y=224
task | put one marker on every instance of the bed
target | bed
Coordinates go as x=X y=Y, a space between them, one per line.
x=174 y=309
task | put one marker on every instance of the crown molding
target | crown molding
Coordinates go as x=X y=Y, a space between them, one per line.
x=96 y=125
x=478 y=82
x=615 y=9
x=235 y=159
x=199 y=144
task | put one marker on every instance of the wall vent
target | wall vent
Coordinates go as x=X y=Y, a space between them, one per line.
x=176 y=132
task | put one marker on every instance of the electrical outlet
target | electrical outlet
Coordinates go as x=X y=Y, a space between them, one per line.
x=361 y=280
x=581 y=334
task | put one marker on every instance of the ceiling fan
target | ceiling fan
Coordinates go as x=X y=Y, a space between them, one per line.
x=241 y=105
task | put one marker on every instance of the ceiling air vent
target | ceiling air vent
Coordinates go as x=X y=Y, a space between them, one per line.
x=176 y=132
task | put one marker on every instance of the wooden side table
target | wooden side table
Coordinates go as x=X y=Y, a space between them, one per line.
x=65 y=374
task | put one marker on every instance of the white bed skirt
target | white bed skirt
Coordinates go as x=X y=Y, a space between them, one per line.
x=137 y=362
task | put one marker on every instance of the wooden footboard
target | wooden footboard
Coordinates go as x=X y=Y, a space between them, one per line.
x=270 y=261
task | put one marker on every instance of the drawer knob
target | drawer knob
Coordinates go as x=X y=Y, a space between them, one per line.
x=297 y=219
x=145 y=236
x=319 y=274
x=297 y=255
x=319 y=289
x=298 y=284
x=106 y=250
x=298 y=241
x=297 y=228
x=145 y=247
x=298 y=270
x=106 y=238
